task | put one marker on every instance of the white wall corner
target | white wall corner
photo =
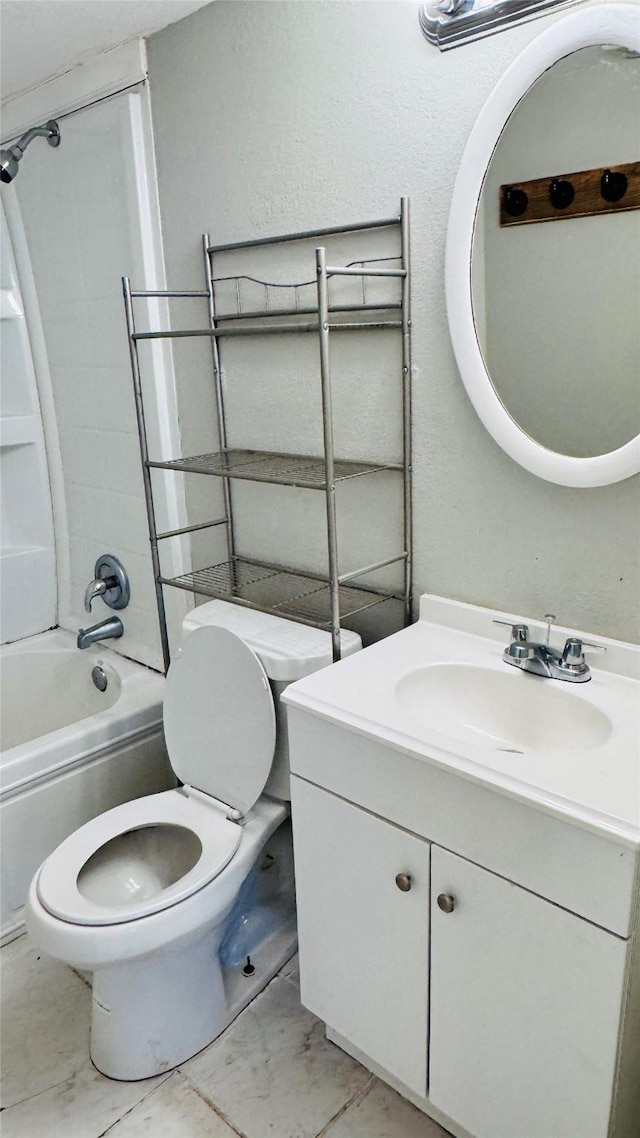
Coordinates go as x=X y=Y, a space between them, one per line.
x=94 y=78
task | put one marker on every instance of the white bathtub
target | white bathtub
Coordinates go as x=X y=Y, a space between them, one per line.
x=69 y=751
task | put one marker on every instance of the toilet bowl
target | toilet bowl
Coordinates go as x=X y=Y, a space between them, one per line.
x=181 y=904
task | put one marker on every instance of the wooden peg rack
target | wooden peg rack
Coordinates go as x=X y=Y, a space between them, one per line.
x=571 y=195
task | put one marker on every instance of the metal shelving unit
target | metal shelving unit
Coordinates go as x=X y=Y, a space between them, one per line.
x=324 y=601
x=269 y=466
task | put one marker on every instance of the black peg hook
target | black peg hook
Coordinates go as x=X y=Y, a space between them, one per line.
x=515 y=201
x=561 y=193
x=613 y=185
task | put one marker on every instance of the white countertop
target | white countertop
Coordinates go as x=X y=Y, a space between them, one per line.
x=597 y=787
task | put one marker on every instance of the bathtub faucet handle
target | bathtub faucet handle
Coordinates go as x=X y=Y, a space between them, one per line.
x=110 y=582
x=97 y=588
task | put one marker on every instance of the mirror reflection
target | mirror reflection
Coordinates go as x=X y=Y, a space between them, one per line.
x=557 y=302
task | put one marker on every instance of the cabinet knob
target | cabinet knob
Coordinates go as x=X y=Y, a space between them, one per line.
x=403 y=881
x=446 y=902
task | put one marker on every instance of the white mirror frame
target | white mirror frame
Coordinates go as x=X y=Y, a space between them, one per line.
x=610 y=23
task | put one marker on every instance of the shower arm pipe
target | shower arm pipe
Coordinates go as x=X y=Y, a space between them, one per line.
x=49 y=130
x=11 y=157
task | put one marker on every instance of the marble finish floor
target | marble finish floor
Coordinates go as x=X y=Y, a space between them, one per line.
x=271 y=1074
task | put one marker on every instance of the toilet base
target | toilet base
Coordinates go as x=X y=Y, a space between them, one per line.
x=156 y=1011
x=153 y=1014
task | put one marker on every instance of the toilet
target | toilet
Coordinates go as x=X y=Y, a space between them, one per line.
x=181 y=903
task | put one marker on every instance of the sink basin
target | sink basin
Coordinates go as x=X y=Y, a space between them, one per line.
x=509 y=711
x=439 y=690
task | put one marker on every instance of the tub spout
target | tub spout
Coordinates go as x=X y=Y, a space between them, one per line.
x=109 y=629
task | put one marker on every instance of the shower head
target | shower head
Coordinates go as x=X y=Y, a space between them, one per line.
x=10 y=158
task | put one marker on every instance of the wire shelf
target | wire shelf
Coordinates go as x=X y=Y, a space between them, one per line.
x=279 y=590
x=274 y=326
x=271 y=466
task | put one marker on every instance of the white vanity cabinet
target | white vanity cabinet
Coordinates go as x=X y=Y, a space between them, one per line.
x=469 y=909
x=364 y=939
x=509 y=1025
x=526 y=1001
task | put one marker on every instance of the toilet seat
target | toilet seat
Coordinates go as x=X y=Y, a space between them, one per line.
x=58 y=881
x=220 y=731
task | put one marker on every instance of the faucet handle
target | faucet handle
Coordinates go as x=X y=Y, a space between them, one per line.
x=591 y=646
x=97 y=588
x=519 y=632
x=574 y=650
x=110 y=582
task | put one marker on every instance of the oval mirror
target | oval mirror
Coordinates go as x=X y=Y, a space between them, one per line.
x=543 y=266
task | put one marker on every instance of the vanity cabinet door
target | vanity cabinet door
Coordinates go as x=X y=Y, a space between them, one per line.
x=525 y=1009
x=363 y=936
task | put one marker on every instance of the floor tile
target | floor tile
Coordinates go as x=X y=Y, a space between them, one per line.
x=46 y=1012
x=174 y=1110
x=83 y=1106
x=381 y=1113
x=273 y=1074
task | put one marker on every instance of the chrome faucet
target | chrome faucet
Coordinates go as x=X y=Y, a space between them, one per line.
x=109 y=629
x=542 y=659
x=110 y=582
x=97 y=588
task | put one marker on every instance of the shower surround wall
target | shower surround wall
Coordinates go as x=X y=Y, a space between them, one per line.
x=27 y=556
x=83 y=214
x=288 y=116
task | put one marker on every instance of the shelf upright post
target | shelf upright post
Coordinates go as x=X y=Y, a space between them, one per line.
x=327 y=428
x=219 y=394
x=406 y=408
x=146 y=472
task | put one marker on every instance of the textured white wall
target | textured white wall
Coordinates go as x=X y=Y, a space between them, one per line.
x=284 y=115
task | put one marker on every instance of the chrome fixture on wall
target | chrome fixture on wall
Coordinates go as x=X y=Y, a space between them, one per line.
x=110 y=582
x=11 y=157
x=449 y=23
x=110 y=629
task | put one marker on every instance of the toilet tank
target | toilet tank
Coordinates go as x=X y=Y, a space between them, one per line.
x=287 y=652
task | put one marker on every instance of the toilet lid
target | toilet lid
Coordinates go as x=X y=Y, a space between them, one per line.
x=219 y=718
